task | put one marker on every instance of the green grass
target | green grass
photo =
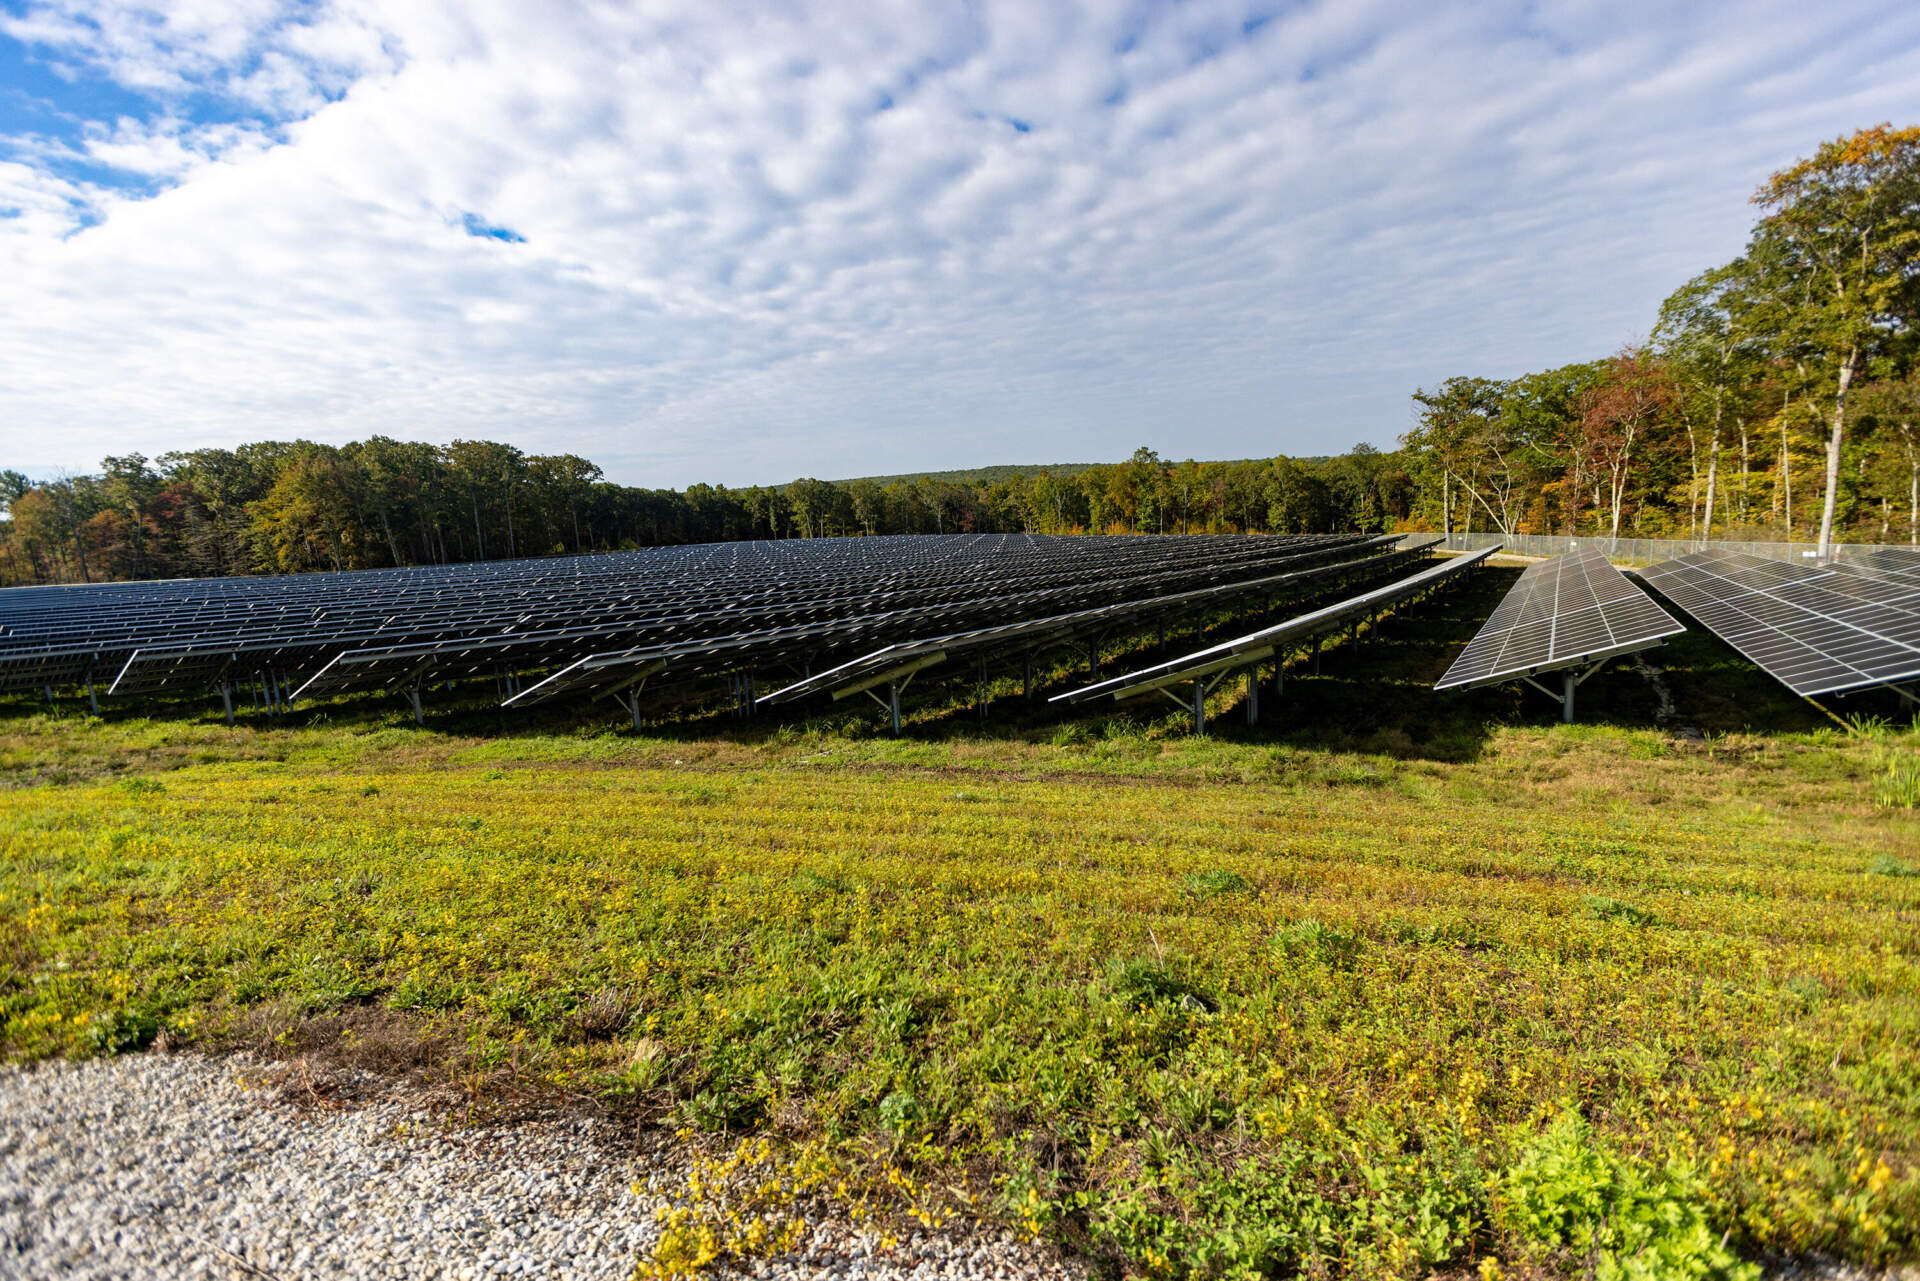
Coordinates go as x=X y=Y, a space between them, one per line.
x=1404 y=986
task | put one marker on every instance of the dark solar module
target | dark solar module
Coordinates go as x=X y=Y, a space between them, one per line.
x=1817 y=630
x=1570 y=611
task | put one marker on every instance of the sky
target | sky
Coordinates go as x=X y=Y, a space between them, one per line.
x=741 y=243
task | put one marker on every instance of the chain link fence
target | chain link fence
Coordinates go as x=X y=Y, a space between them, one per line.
x=1647 y=551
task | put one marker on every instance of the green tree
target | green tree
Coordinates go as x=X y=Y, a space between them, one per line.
x=1846 y=223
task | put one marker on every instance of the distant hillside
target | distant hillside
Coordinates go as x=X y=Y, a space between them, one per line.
x=979 y=475
x=991 y=475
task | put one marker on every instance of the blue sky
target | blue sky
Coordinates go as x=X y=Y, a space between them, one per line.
x=747 y=243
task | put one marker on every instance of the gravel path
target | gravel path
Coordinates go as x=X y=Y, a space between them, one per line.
x=164 y=1166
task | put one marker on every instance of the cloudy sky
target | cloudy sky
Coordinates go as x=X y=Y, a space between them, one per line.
x=743 y=243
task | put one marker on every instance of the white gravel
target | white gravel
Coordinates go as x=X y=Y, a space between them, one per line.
x=164 y=1166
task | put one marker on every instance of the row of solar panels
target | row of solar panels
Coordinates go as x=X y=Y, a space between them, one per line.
x=587 y=624
x=877 y=611
x=1818 y=629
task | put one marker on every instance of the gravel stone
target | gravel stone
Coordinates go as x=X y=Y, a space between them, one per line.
x=165 y=1166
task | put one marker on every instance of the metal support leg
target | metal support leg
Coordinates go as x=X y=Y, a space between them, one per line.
x=981 y=687
x=893 y=707
x=1200 y=706
x=1568 y=683
x=93 y=699
x=631 y=699
x=226 y=700
x=413 y=697
x=1026 y=686
x=1253 y=696
x=1316 y=657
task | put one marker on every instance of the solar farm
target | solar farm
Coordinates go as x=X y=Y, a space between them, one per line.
x=838 y=617
x=1187 y=906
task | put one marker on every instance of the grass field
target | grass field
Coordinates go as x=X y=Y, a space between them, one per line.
x=1399 y=983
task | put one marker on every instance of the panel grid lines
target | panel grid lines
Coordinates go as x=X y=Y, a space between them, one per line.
x=1817 y=630
x=1561 y=613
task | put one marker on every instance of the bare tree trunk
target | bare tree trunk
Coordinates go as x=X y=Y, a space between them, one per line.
x=1746 y=498
x=1713 y=477
x=479 y=538
x=1693 y=480
x=1913 y=484
x=1786 y=478
x=1833 y=453
x=392 y=546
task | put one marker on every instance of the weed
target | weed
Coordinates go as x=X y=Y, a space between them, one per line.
x=1898 y=785
x=1614 y=1217
x=1612 y=909
x=1215 y=882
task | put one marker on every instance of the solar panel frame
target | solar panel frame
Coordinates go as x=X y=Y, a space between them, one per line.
x=848 y=677
x=1257 y=646
x=1571 y=611
x=1818 y=631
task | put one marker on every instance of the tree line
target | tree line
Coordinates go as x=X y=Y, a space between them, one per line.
x=1776 y=397
x=293 y=507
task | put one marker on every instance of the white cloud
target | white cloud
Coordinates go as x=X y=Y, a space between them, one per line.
x=868 y=238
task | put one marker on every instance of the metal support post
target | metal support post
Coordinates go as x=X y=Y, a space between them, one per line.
x=1316 y=656
x=49 y=691
x=1199 y=705
x=1253 y=696
x=631 y=700
x=981 y=687
x=226 y=699
x=893 y=706
x=1568 y=683
x=413 y=697
x=93 y=699
x=1026 y=687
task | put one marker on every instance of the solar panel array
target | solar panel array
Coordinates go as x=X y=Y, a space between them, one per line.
x=1258 y=646
x=1056 y=629
x=1570 y=611
x=1816 y=629
x=702 y=609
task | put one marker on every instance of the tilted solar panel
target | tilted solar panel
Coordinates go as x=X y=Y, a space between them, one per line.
x=1259 y=646
x=1571 y=611
x=1815 y=630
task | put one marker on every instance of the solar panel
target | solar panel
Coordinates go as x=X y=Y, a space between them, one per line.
x=1217 y=661
x=1574 y=611
x=1816 y=630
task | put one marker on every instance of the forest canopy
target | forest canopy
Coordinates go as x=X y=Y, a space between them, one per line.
x=1775 y=397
